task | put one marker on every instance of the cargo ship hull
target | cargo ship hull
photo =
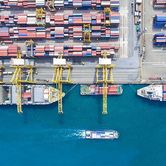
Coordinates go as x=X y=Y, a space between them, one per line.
x=109 y=134
x=31 y=94
x=98 y=90
x=153 y=92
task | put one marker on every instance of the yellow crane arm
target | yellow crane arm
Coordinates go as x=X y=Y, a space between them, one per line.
x=104 y=98
x=19 y=98
x=60 y=110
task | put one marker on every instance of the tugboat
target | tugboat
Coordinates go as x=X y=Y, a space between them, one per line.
x=106 y=134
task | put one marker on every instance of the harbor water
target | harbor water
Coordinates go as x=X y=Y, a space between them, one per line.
x=41 y=137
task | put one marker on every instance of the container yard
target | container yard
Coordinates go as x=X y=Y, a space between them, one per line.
x=70 y=42
x=153 y=57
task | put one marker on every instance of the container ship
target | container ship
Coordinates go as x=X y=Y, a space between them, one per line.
x=31 y=94
x=108 y=134
x=98 y=90
x=153 y=92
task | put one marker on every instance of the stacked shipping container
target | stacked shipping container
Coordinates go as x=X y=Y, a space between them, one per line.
x=159 y=40
x=70 y=50
x=67 y=50
x=60 y=19
x=71 y=32
x=113 y=4
x=68 y=25
x=160 y=21
x=9 y=51
x=159 y=4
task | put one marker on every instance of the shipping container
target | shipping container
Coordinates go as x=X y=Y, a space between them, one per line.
x=84 y=4
x=160 y=21
x=159 y=4
x=159 y=40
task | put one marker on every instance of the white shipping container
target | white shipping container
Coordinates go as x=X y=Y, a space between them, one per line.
x=31 y=20
x=3 y=47
x=48 y=19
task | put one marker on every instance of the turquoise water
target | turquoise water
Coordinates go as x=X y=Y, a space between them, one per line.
x=41 y=137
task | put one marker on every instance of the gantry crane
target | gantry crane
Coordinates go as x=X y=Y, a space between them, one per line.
x=31 y=44
x=23 y=74
x=40 y=14
x=50 y=5
x=1 y=74
x=105 y=70
x=60 y=66
x=107 y=12
x=87 y=33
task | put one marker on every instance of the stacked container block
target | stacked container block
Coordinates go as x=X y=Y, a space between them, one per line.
x=113 y=4
x=159 y=4
x=159 y=40
x=72 y=32
x=70 y=50
x=9 y=51
x=60 y=19
x=160 y=21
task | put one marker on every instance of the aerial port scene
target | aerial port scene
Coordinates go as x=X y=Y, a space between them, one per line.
x=83 y=80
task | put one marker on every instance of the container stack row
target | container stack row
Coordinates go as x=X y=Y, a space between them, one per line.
x=70 y=50
x=159 y=40
x=159 y=22
x=60 y=19
x=67 y=50
x=9 y=51
x=113 y=4
x=159 y=4
x=72 y=32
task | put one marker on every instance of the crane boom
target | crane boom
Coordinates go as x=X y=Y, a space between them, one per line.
x=106 y=78
x=17 y=79
x=59 y=80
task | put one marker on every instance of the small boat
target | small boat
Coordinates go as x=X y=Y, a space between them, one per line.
x=105 y=134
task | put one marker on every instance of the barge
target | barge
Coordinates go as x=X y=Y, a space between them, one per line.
x=98 y=90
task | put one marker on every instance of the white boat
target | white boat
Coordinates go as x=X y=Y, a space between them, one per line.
x=153 y=92
x=105 y=134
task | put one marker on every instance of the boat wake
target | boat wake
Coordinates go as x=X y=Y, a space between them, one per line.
x=66 y=134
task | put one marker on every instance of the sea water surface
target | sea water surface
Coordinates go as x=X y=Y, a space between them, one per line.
x=40 y=137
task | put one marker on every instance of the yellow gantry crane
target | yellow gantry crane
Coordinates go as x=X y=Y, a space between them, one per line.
x=107 y=12
x=23 y=74
x=104 y=76
x=30 y=43
x=40 y=14
x=60 y=66
x=87 y=33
